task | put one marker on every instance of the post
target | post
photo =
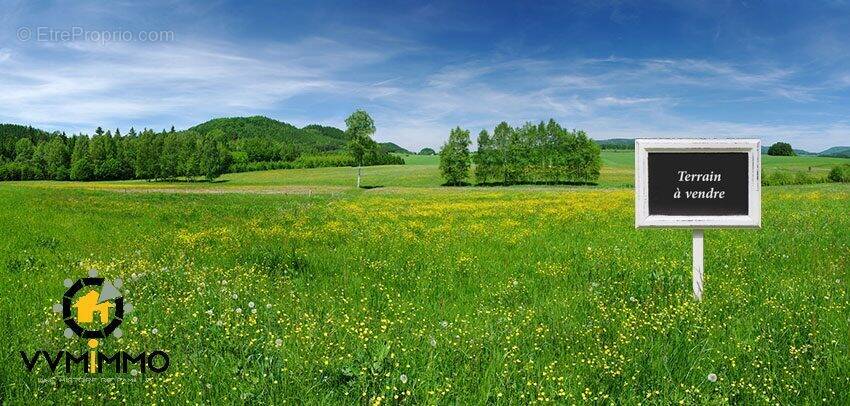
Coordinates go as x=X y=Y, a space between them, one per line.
x=358 y=176
x=698 y=264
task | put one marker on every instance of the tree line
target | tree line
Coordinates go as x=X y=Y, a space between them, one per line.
x=545 y=152
x=112 y=156
x=27 y=153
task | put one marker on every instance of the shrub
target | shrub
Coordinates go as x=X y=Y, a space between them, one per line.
x=840 y=173
x=781 y=178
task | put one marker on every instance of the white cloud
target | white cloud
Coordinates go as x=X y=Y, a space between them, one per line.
x=83 y=85
x=79 y=85
x=610 y=98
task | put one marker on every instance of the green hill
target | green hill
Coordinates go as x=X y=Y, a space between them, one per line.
x=837 y=152
x=394 y=148
x=311 y=137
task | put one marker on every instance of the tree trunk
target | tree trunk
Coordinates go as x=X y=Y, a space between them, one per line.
x=358 y=176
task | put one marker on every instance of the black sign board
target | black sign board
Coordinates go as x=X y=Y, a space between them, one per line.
x=698 y=184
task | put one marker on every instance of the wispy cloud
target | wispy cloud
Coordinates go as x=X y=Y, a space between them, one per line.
x=102 y=83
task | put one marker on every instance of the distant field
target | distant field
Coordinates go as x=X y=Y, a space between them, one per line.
x=423 y=171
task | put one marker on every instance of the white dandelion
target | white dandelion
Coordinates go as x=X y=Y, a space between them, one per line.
x=403 y=378
x=712 y=377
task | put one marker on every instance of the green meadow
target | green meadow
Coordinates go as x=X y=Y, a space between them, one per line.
x=292 y=286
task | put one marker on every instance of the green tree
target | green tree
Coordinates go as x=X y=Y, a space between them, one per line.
x=484 y=158
x=189 y=160
x=781 y=149
x=147 y=156
x=24 y=150
x=589 y=159
x=103 y=156
x=427 y=151
x=213 y=159
x=169 y=160
x=127 y=148
x=501 y=144
x=38 y=165
x=359 y=129
x=57 y=159
x=454 y=157
x=81 y=167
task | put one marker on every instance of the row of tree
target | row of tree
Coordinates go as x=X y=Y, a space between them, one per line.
x=107 y=156
x=204 y=151
x=545 y=152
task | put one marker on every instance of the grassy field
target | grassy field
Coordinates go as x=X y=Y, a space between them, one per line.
x=301 y=289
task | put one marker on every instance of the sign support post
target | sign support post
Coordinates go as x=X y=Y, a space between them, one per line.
x=698 y=263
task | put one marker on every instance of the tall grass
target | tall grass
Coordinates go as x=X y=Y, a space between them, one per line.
x=505 y=296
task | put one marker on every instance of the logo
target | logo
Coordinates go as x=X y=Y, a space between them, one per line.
x=93 y=309
x=103 y=303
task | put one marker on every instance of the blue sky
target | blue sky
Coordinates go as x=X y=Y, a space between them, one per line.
x=772 y=70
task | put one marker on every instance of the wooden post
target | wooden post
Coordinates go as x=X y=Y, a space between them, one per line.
x=358 y=176
x=698 y=264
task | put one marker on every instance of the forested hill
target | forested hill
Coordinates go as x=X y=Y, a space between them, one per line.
x=312 y=137
x=393 y=148
x=11 y=133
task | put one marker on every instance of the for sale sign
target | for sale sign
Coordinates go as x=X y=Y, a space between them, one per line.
x=697 y=183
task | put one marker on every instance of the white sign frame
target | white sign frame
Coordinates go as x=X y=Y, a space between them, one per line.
x=696 y=145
